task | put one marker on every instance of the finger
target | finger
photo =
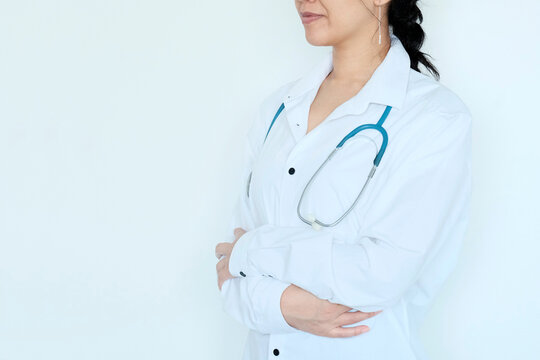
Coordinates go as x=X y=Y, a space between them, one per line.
x=239 y=232
x=334 y=309
x=348 y=318
x=219 y=250
x=238 y=229
x=221 y=256
x=222 y=263
x=223 y=248
x=223 y=273
x=348 y=331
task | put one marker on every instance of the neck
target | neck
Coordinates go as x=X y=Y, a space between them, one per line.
x=356 y=59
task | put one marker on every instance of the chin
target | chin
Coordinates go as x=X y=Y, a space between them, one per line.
x=317 y=38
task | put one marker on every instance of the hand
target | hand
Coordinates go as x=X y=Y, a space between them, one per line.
x=304 y=311
x=224 y=249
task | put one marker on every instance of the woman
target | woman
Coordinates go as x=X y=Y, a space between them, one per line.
x=309 y=287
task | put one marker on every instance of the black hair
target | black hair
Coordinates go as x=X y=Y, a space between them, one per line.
x=405 y=18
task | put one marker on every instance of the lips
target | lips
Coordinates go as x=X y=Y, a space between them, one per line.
x=308 y=17
x=308 y=13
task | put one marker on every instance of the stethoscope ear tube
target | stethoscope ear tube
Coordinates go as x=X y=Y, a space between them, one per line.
x=311 y=220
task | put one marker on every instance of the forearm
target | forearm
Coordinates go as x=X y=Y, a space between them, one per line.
x=418 y=208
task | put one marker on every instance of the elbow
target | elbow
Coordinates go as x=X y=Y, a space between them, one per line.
x=377 y=289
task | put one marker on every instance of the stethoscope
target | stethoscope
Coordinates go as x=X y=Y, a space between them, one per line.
x=311 y=220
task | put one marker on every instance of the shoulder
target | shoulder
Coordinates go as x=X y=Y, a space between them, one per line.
x=427 y=96
x=432 y=108
x=432 y=95
x=433 y=120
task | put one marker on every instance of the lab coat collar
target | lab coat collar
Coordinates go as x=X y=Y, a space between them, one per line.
x=387 y=85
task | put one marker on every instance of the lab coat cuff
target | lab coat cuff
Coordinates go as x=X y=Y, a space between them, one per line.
x=270 y=294
x=238 y=260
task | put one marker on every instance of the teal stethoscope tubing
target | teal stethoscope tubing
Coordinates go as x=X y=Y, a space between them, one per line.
x=311 y=220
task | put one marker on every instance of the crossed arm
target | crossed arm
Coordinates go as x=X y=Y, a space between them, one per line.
x=422 y=207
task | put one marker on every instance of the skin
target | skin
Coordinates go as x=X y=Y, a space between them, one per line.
x=300 y=308
x=351 y=28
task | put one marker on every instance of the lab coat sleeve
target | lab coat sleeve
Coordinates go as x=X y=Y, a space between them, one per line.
x=426 y=202
x=253 y=300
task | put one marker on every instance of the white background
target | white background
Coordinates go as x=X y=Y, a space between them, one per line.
x=121 y=128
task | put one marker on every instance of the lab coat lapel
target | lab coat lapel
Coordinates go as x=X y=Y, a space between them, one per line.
x=387 y=86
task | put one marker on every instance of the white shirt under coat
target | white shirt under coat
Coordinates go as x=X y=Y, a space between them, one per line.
x=392 y=252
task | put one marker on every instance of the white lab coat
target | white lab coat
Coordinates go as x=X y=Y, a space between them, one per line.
x=392 y=252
